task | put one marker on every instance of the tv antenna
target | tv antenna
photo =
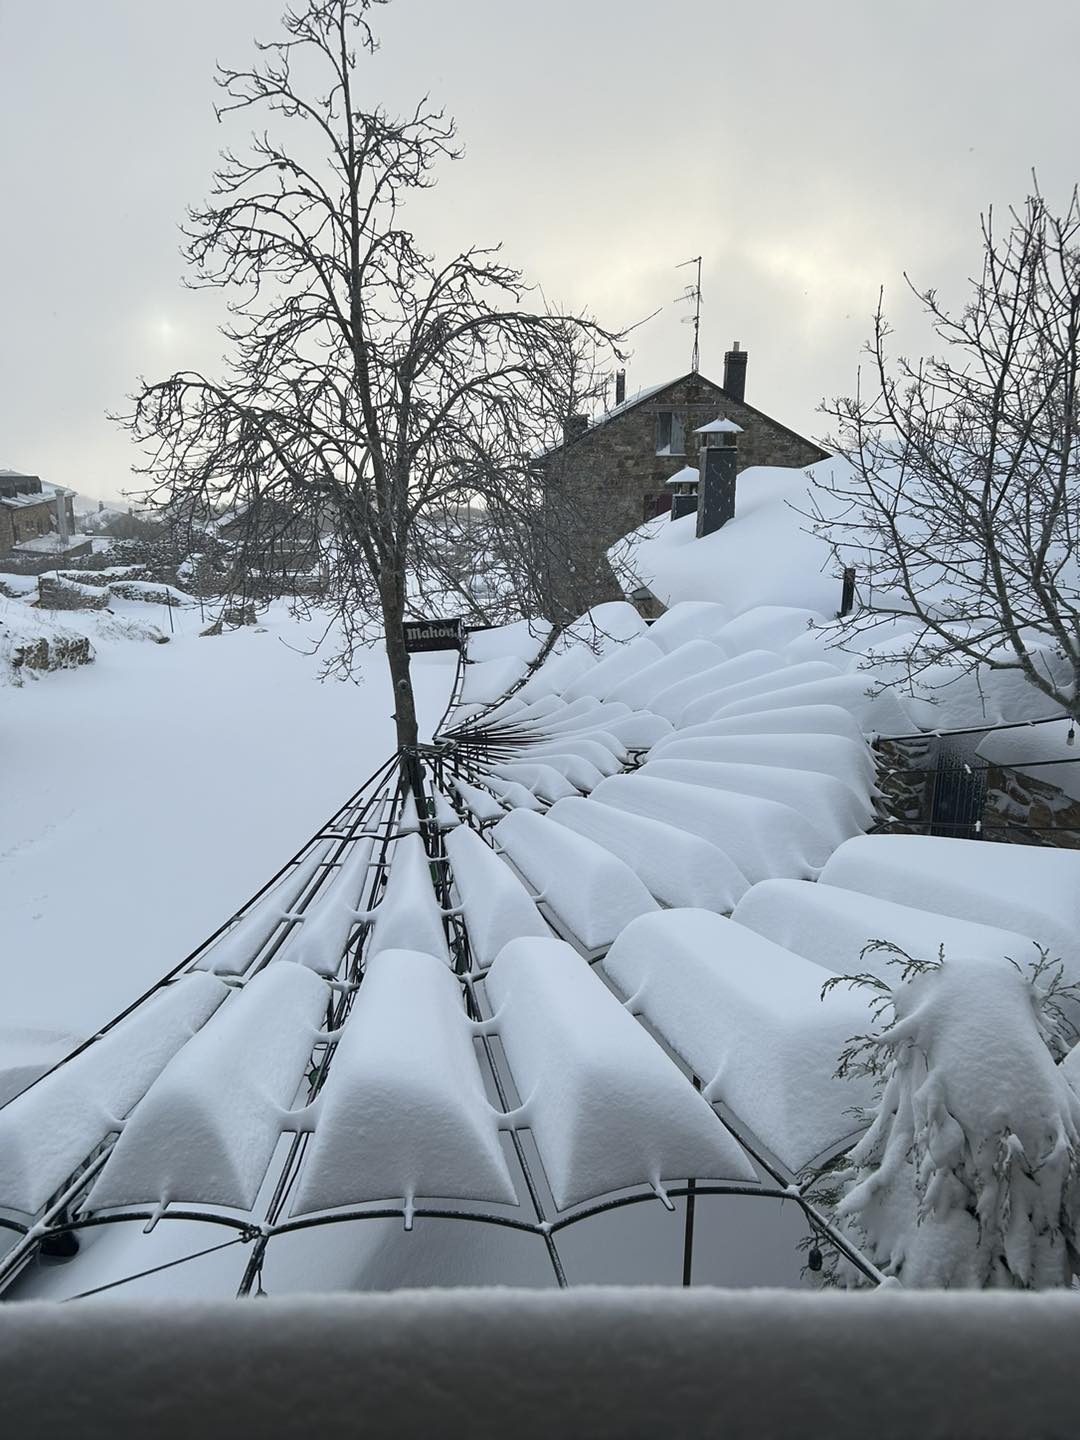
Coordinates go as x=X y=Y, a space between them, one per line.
x=693 y=293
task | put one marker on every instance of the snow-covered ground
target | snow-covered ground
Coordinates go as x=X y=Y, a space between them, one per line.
x=144 y=797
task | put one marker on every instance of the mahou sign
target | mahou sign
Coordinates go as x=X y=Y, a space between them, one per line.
x=433 y=635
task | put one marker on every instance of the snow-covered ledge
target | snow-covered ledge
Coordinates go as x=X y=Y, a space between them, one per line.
x=600 y=1363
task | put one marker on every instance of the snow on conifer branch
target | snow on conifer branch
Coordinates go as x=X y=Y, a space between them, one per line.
x=968 y=1173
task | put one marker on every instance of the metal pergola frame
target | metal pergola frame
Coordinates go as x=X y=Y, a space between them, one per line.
x=386 y=790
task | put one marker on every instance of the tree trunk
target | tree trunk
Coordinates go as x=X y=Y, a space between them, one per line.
x=397 y=657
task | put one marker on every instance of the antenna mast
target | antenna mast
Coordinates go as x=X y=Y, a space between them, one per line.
x=693 y=292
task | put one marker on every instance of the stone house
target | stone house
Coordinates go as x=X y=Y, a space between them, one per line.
x=621 y=463
x=37 y=519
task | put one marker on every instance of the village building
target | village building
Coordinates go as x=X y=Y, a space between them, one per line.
x=37 y=522
x=622 y=462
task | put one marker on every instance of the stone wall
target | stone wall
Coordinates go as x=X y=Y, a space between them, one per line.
x=1018 y=808
x=57 y=594
x=55 y=652
x=1027 y=811
x=905 y=784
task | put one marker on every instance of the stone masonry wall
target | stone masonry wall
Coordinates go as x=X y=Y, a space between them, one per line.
x=617 y=466
x=1027 y=811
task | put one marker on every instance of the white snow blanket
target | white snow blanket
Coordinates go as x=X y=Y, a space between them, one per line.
x=524 y=639
x=602 y=751
x=206 y=1130
x=771 y=682
x=515 y=715
x=480 y=803
x=675 y=699
x=876 y=714
x=816 y=719
x=748 y=1016
x=623 y=662
x=689 y=620
x=560 y=669
x=763 y=837
x=496 y=905
x=772 y=627
x=834 y=810
x=322 y=938
x=763 y=556
x=50 y=1128
x=233 y=952
x=547 y=780
x=832 y=926
x=676 y=867
x=486 y=681
x=408 y=917
x=585 y=714
x=850 y=761
x=640 y=689
x=606 y=1106
x=403 y=1114
x=513 y=795
x=1033 y=891
x=590 y=893
x=604 y=627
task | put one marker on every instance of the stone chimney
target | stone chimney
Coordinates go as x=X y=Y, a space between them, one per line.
x=574 y=427
x=735 y=372
x=62 y=526
x=620 y=386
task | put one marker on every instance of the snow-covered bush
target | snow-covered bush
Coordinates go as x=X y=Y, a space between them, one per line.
x=967 y=1176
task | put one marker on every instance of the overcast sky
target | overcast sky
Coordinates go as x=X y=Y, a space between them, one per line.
x=810 y=153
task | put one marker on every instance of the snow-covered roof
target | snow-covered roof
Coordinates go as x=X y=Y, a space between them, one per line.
x=47 y=495
x=720 y=426
x=48 y=544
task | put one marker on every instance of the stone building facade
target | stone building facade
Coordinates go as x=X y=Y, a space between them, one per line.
x=28 y=510
x=620 y=464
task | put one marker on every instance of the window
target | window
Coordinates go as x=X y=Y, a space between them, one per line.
x=670 y=433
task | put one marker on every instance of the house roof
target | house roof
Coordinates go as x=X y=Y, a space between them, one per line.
x=650 y=393
x=52 y=544
x=45 y=496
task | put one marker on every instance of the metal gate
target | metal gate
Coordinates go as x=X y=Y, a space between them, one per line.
x=959 y=790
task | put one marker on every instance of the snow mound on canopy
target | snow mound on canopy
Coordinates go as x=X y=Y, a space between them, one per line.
x=523 y=639
x=1031 y=890
x=764 y=556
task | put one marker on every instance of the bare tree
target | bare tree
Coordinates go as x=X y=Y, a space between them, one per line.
x=368 y=385
x=960 y=509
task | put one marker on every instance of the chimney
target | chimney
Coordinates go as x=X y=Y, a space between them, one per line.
x=62 y=518
x=716 y=493
x=735 y=372
x=620 y=386
x=574 y=427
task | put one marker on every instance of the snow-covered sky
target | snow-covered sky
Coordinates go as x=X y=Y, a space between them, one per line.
x=808 y=152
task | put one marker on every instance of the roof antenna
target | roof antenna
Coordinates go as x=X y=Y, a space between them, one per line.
x=693 y=292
